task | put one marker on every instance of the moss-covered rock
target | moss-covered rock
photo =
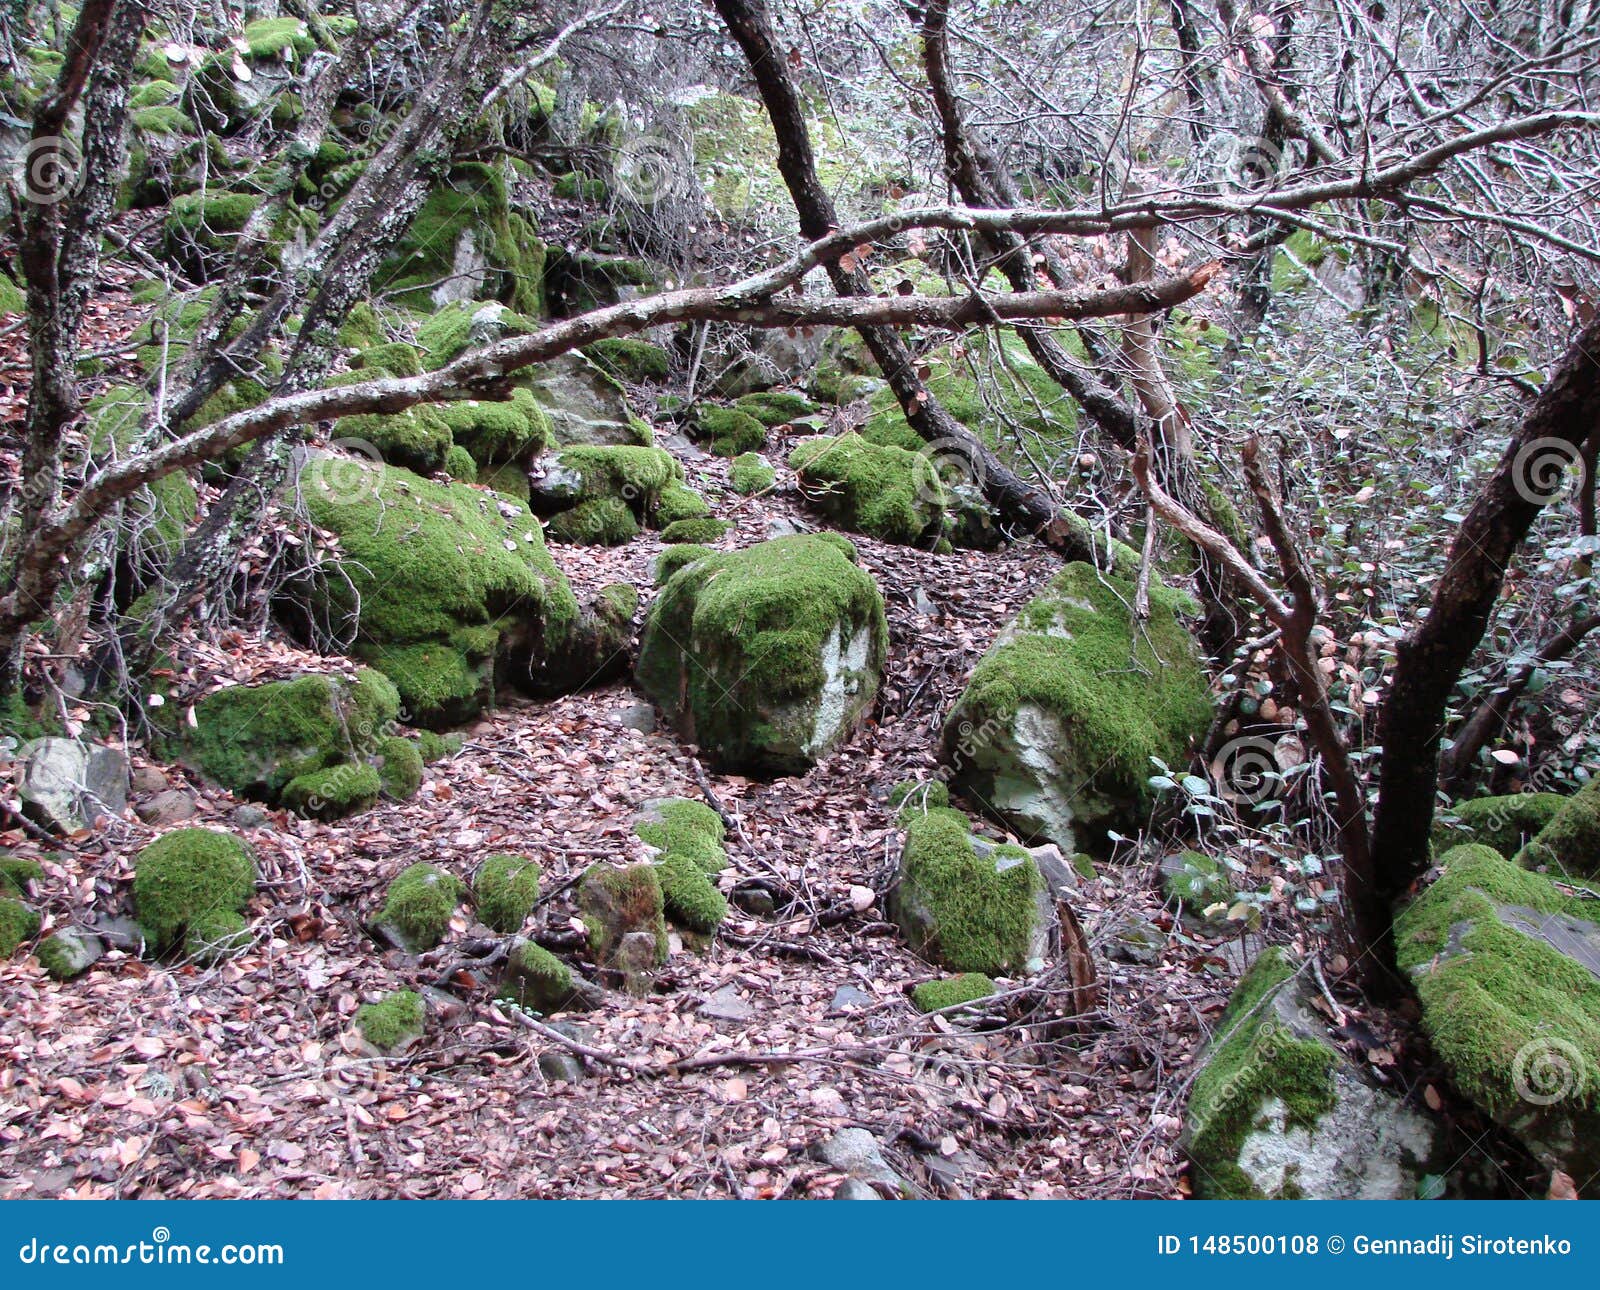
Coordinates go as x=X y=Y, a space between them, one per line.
x=1506 y=823
x=17 y=874
x=159 y=514
x=18 y=923
x=629 y=359
x=69 y=952
x=416 y=438
x=727 y=431
x=496 y=433
x=505 y=890
x=775 y=407
x=454 y=328
x=1570 y=842
x=200 y=229
x=458 y=464
x=399 y=766
x=388 y=358
x=918 y=796
x=255 y=739
x=674 y=558
x=749 y=475
x=467 y=242
x=334 y=791
x=968 y=904
x=885 y=492
x=535 y=978
x=623 y=907
x=686 y=838
x=436 y=581
x=392 y=1024
x=190 y=877
x=678 y=502
x=215 y=937
x=436 y=747
x=585 y=404
x=1196 y=882
x=1507 y=967
x=766 y=657
x=416 y=910
x=630 y=477
x=950 y=991
x=1056 y=731
x=698 y=532
x=600 y=521
x=1277 y=1112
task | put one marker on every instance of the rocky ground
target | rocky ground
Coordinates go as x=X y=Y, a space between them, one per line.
x=792 y=1029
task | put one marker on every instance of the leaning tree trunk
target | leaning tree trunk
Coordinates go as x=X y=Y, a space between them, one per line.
x=1014 y=500
x=1429 y=661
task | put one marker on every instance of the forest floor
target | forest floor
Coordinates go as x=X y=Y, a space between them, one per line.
x=248 y=1079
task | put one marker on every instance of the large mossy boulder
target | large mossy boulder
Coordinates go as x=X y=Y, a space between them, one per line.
x=258 y=740
x=1570 y=842
x=417 y=907
x=766 y=657
x=1507 y=966
x=191 y=887
x=886 y=492
x=1056 y=731
x=1506 y=823
x=968 y=904
x=435 y=582
x=1278 y=1112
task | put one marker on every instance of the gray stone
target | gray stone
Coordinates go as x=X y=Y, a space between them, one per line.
x=855 y=1189
x=727 y=1005
x=147 y=779
x=68 y=784
x=1136 y=940
x=755 y=901
x=1056 y=869
x=1364 y=1143
x=121 y=933
x=779 y=527
x=248 y=816
x=636 y=716
x=560 y=1067
x=585 y=406
x=635 y=957
x=443 y=1005
x=849 y=999
x=856 y=1152
x=75 y=951
x=745 y=360
x=924 y=604
x=170 y=806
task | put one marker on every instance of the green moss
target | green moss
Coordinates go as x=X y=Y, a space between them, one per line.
x=1122 y=697
x=1489 y=990
x=401 y=769
x=750 y=475
x=18 y=923
x=278 y=38
x=255 y=739
x=775 y=407
x=394 y=357
x=1201 y=882
x=967 y=907
x=495 y=433
x=575 y=186
x=439 y=573
x=436 y=747
x=624 y=470
x=1505 y=823
x=690 y=898
x=391 y=1022
x=602 y=521
x=614 y=901
x=679 y=826
x=886 y=492
x=458 y=464
x=472 y=201
x=537 y=979
x=506 y=889
x=630 y=359
x=57 y=959
x=695 y=532
x=618 y=601
x=160 y=513
x=914 y=796
x=675 y=557
x=729 y=431
x=13 y=299
x=333 y=792
x=216 y=936
x=362 y=328
x=948 y=992
x=416 y=438
x=1252 y=1059
x=1570 y=842
x=510 y=479
x=166 y=120
x=16 y=872
x=190 y=875
x=756 y=621
x=419 y=903
x=678 y=502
